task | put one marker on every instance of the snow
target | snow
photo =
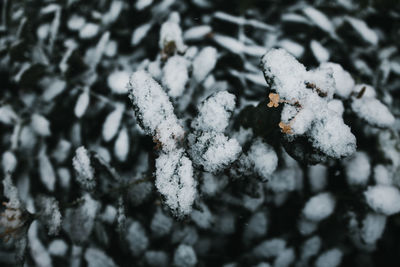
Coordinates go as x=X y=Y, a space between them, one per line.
x=319 y=19
x=202 y=216
x=154 y=110
x=229 y=43
x=343 y=80
x=214 y=151
x=7 y=115
x=46 y=171
x=292 y=47
x=382 y=175
x=97 y=258
x=142 y=4
x=79 y=221
x=269 y=248
x=50 y=214
x=372 y=111
x=337 y=106
x=39 y=254
x=283 y=180
x=329 y=258
x=140 y=33
x=117 y=81
x=175 y=75
x=319 y=207
x=383 y=199
x=184 y=256
x=204 y=63
x=261 y=158
x=285 y=258
x=53 y=89
x=197 y=33
x=256 y=227
x=83 y=168
x=373 y=227
x=320 y=53
x=8 y=162
x=161 y=224
x=214 y=112
x=122 y=145
x=317 y=175
x=174 y=180
x=137 y=238
x=363 y=30
x=82 y=104
x=76 y=22
x=40 y=125
x=89 y=30
x=58 y=247
x=112 y=122
x=156 y=258
x=310 y=247
x=171 y=33
x=358 y=169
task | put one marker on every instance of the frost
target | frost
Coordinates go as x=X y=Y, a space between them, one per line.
x=154 y=110
x=117 y=81
x=97 y=258
x=358 y=169
x=112 y=122
x=204 y=63
x=329 y=258
x=83 y=168
x=175 y=75
x=137 y=238
x=40 y=125
x=184 y=256
x=174 y=180
x=383 y=199
x=319 y=207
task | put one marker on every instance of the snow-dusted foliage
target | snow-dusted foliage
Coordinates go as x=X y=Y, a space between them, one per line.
x=199 y=133
x=304 y=95
x=174 y=180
